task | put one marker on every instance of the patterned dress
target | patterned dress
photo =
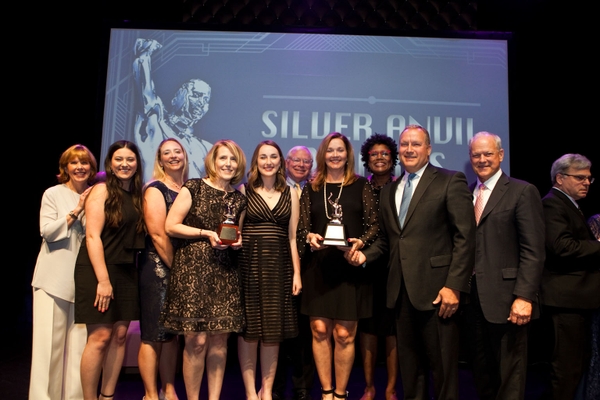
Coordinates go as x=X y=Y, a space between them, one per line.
x=154 y=278
x=267 y=270
x=204 y=292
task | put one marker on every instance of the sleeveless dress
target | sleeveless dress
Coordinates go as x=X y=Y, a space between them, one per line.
x=204 y=291
x=267 y=270
x=121 y=247
x=332 y=288
x=154 y=278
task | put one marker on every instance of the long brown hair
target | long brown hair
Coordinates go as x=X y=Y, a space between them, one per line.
x=254 y=177
x=114 y=198
x=321 y=171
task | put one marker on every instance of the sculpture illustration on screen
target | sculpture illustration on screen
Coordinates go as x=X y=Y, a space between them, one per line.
x=155 y=123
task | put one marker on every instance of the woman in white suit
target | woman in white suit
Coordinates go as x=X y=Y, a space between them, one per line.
x=58 y=342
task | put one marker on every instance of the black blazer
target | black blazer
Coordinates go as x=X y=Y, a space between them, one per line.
x=436 y=247
x=571 y=277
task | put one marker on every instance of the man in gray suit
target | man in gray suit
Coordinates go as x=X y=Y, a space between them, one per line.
x=431 y=246
x=509 y=260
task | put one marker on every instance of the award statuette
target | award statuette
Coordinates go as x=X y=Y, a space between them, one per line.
x=335 y=232
x=228 y=230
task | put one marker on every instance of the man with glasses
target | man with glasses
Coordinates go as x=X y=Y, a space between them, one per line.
x=509 y=259
x=570 y=289
x=298 y=165
x=297 y=352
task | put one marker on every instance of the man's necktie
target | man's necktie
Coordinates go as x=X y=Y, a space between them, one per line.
x=479 y=203
x=298 y=189
x=406 y=195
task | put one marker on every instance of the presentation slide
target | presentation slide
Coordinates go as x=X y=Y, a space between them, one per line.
x=294 y=88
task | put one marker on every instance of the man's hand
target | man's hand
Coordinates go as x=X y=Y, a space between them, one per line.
x=520 y=311
x=449 y=301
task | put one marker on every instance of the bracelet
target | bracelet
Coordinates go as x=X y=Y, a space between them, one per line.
x=307 y=239
x=72 y=215
x=200 y=232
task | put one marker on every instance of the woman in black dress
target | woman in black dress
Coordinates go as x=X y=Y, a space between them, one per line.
x=379 y=154
x=106 y=282
x=335 y=295
x=203 y=299
x=270 y=268
x=159 y=348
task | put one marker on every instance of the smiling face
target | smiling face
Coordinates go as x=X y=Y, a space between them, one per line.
x=298 y=165
x=336 y=155
x=78 y=171
x=172 y=157
x=124 y=164
x=415 y=149
x=268 y=161
x=485 y=157
x=380 y=160
x=225 y=164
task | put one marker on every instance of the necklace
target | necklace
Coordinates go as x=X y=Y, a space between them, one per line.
x=267 y=192
x=178 y=187
x=325 y=197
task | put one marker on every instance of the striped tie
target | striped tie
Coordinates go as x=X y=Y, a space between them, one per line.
x=479 y=203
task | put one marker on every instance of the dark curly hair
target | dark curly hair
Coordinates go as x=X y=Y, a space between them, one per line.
x=374 y=139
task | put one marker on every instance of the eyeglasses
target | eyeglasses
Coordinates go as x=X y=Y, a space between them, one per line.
x=581 y=178
x=477 y=156
x=376 y=154
x=296 y=160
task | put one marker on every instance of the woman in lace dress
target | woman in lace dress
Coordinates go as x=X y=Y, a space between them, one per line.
x=203 y=301
x=270 y=268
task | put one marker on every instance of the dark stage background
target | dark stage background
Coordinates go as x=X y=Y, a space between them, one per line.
x=551 y=101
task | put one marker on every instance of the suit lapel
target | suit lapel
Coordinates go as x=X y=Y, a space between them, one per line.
x=499 y=190
x=428 y=176
x=392 y=201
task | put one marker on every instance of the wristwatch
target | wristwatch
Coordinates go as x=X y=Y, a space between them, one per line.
x=72 y=215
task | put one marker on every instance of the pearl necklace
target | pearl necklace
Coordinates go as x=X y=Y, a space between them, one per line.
x=325 y=197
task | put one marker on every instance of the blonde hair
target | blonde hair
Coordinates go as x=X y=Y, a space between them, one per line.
x=238 y=153
x=159 y=173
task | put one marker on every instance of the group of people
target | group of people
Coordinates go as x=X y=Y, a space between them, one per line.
x=425 y=257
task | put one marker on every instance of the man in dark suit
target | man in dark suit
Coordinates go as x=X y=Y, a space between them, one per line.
x=431 y=259
x=570 y=288
x=509 y=260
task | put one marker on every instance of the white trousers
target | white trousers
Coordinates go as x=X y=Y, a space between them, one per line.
x=57 y=346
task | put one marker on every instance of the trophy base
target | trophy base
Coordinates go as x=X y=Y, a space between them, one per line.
x=228 y=234
x=335 y=235
x=335 y=242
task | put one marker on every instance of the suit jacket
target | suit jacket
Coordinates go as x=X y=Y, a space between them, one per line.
x=571 y=276
x=510 y=253
x=436 y=247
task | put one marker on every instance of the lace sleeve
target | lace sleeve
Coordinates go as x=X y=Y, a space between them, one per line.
x=304 y=221
x=370 y=215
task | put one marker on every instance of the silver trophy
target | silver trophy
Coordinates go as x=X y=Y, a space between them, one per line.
x=335 y=232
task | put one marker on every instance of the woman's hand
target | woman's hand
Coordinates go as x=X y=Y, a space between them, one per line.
x=104 y=294
x=315 y=240
x=237 y=245
x=296 y=285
